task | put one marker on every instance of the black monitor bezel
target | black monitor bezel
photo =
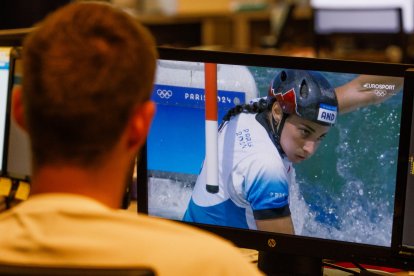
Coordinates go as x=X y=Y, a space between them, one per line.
x=289 y=244
x=399 y=249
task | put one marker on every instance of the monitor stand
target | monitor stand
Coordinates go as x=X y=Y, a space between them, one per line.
x=278 y=264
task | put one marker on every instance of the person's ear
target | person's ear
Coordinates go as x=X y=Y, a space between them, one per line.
x=17 y=107
x=140 y=124
x=277 y=111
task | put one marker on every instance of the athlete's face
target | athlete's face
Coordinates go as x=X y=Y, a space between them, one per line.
x=300 y=138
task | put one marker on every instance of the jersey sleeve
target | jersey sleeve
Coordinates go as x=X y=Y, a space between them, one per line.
x=268 y=189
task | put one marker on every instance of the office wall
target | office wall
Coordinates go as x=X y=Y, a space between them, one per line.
x=23 y=14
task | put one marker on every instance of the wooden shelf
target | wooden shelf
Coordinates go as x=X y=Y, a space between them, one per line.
x=235 y=30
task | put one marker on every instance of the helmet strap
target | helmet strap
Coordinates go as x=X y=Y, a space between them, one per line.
x=273 y=128
x=277 y=133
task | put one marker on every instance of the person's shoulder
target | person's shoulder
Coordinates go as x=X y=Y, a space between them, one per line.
x=201 y=247
x=248 y=118
x=177 y=230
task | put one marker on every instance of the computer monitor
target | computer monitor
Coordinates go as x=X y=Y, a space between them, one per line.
x=378 y=28
x=18 y=164
x=352 y=21
x=17 y=159
x=406 y=6
x=5 y=78
x=342 y=198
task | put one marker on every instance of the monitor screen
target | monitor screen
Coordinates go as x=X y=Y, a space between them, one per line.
x=406 y=6
x=328 y=21
x=18 y=146
x=5 y=56
x=320 y=173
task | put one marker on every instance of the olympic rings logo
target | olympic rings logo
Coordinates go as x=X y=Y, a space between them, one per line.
x=164 y=94
x=380 y=93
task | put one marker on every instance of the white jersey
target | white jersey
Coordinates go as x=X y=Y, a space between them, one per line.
x=253 y=178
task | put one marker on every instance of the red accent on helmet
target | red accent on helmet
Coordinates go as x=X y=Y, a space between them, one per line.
x=287 y=101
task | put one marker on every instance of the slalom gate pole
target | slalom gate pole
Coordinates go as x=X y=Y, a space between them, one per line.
x=211 y=161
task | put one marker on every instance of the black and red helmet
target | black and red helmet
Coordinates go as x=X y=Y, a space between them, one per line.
x=305 y=93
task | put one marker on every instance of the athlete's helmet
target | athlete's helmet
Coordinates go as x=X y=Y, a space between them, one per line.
x=305 y=93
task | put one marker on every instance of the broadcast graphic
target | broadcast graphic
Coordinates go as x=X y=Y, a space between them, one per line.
x=329 y=194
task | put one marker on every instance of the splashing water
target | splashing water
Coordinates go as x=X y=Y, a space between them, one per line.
x=168 y=197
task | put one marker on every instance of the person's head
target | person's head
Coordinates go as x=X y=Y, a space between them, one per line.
x=88 y=67
x=303 y=108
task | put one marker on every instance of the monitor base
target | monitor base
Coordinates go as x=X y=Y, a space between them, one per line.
x=277 y=264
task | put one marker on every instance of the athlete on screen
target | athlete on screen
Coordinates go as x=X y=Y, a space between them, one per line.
x=258 y=143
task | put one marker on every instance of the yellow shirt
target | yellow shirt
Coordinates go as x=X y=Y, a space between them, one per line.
x=61 y=229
